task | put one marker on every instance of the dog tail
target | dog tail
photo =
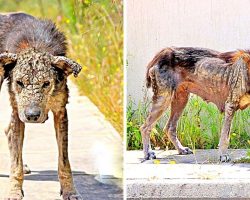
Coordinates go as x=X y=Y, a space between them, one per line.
x=165 y=56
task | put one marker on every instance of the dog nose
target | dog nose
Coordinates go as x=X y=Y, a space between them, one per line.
x=33 y=113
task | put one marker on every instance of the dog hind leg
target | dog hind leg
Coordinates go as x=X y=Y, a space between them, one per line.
x=159 y=105
x=178 y=103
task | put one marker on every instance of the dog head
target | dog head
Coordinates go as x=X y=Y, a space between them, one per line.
x=34 y=79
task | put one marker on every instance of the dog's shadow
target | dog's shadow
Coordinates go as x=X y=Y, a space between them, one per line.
x=199 y=157
x=88 y=185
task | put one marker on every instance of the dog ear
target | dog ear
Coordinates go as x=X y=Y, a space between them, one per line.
x=5 y=59
x=67 y=65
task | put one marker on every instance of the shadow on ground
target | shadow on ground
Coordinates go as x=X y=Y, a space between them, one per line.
x=199 y=157
x=87 y=185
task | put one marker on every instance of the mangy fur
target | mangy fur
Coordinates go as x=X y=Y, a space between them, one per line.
x=220 y=78
x=32 y=58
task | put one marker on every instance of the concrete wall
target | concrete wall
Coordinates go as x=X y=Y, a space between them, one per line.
x=154 y=24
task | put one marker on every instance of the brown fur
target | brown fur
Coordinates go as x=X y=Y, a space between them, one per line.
x=174 y=73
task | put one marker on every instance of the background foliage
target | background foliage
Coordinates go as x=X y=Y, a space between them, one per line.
x=95 y=39
x=198 y=128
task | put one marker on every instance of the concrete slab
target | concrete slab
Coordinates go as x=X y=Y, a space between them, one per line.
x=194 y=176
x=95 y=151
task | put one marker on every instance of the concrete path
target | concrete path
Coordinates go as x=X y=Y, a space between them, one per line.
x=95 y=150
x=194 y=176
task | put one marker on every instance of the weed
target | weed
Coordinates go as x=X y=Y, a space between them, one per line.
x=198 y=128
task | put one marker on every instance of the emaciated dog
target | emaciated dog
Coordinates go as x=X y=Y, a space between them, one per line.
x=32 y=59
x=220 y=78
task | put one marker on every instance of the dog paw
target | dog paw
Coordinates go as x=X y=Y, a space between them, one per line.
x=185 y=151
x=71 y=196
x=150 y=156
x=15 y=195
x=225 y=158
x=26 y=169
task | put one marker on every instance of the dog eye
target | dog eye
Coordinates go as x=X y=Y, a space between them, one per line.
x=46 y=84
x=19 y=83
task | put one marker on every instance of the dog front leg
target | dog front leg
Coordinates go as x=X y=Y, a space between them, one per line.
x=68 y=191
x=15 y=135
x=225 y=132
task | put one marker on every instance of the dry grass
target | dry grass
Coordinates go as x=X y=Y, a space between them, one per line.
x=95 y=36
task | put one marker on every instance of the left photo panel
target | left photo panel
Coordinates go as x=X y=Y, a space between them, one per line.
x=61 y=100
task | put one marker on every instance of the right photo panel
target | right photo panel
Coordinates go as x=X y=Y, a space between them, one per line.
x=188 y=93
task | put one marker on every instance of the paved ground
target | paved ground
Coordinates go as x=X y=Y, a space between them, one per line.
x=95 y=150
x=195 y=176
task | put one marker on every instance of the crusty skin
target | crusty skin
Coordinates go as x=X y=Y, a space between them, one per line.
x=220 y=78
x=32 y=59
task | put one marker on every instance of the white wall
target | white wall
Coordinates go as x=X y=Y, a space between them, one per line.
x=154 y=24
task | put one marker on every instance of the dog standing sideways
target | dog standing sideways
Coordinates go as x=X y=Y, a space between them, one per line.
x=220 y=78
x=32 y=59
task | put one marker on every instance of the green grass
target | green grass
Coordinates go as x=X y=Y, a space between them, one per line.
x=245 y=159
x=198 y=128
x=95 y=39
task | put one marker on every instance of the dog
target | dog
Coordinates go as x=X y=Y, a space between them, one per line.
x=33 y=61
x=220 y=78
